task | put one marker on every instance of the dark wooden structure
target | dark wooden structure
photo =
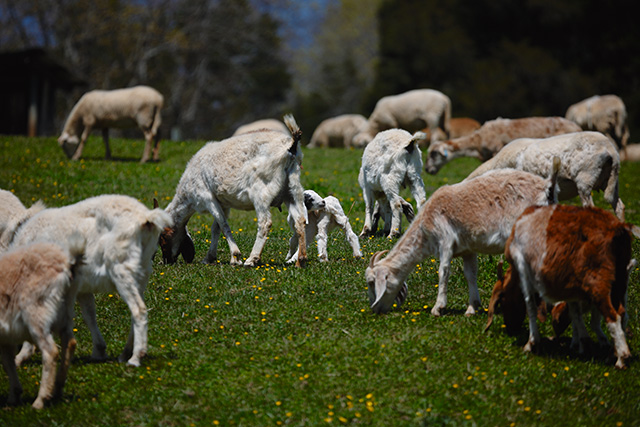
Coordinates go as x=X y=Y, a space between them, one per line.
x=29 y=82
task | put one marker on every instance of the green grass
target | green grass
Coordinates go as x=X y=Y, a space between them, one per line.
x=276 y=345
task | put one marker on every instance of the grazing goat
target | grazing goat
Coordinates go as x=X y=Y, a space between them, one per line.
x=121 y=237
x=566 y=253
x=121 y=108
x=255 y=170
x=392 y=160
x=606 y=114
x=412 y=111
x=271 y=124
x=324 y=215
x=37 y=295
x=338 y=131
x=492 y=136
x=590 y=162
x=463 y=219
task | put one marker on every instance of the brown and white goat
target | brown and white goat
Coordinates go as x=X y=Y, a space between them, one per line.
x=492 y=136
x=463 y=219
x=566 y=253
x=37 y=295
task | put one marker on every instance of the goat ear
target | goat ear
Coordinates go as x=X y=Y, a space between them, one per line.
x=402 y=295
x=380 y=285
x=408 y=211
x=496 y=295
x=187 y=249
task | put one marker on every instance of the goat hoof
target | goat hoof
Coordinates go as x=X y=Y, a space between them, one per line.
x=38 y=403
x=436 y=311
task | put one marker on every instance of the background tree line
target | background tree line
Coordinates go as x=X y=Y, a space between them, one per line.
x=222 y=63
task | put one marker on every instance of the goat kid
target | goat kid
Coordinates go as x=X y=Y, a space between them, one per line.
x=324 y=215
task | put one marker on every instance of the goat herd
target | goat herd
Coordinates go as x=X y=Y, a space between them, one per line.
x=571 y=258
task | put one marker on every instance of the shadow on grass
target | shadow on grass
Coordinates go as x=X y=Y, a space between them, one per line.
x=560 y=348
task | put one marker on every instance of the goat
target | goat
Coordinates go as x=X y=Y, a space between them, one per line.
x=121 y=108
x=590 y=162
x=389 y=162
x=324 y=215
x=37 y=295
x=255 y=170
x=272 y=124
x=458 y=126
x=606 y=114
x=121 y=237
x=463 y=219
x=566 y=253
x=412 y=111
x=492 y=136
x=338 y=131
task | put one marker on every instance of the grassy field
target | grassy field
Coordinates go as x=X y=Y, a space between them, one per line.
x=276 y=345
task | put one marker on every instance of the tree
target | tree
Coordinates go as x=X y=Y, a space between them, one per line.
x=510 y=58
x=218 y=63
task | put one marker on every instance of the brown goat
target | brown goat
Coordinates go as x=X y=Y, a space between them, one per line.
x=566 y=253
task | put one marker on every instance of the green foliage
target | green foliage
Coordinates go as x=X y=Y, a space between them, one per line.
x=277 y=345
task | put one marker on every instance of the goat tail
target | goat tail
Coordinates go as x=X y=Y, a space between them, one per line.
x=76 y=245
x=553 y=189
x=293 y=127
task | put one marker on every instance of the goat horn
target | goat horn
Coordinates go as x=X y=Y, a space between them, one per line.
x=374 y=258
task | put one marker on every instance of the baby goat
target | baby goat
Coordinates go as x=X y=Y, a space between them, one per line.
x=567 y=253
x=324 y=215
x=37 y=295
x=463 y=219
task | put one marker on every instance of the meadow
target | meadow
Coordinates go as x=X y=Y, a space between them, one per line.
x=278 y=345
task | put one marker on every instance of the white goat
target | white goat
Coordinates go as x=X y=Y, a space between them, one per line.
x=338 y=131
x=606 y=114
x=255 y=170
x=463 y=219
x=492 y=136
x=121 y=237
x=590 y=162
x=37 y=295
x=572 y=254
x=121 y=108
x=271 y=124
x=392 y=160
x=412 y=111
x=324 y=215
